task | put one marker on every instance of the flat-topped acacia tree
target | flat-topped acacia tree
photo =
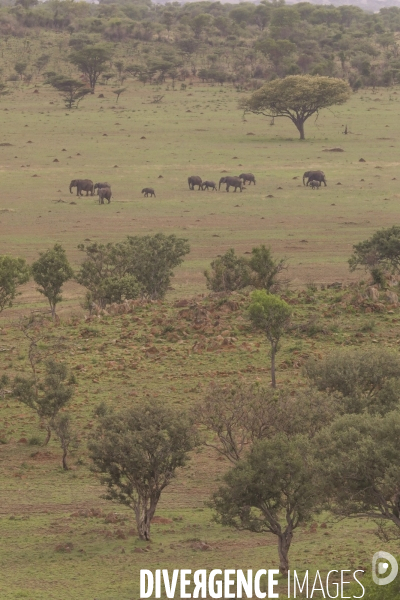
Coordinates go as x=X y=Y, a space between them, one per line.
x=297 y=98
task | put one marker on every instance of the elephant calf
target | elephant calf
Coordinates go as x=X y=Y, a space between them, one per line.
x=315 y=184
x=104 y=193
x=148 y=191
x=209 y=184
x=98 y=186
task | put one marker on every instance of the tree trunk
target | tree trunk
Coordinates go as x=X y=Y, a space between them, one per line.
x=144 y=516
x=64 y=460
x=300 y=126
x=284 y=541
x=46 y=441
x=273 y=353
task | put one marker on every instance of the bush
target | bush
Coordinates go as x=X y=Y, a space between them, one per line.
x=367 y=380
x=231 y=272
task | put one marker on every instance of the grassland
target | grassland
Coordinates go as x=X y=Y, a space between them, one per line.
x=194 y=131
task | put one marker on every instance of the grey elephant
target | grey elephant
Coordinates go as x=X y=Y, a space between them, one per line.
x=82 y=185
x=194 y=180
x=315 y=185
x=235 y=182
x=148 y=192
x=98 y=186
x=104 y=193
x=314 y=176
x=209 y=184
x=247 y=177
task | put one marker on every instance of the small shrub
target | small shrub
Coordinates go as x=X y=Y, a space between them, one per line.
x=35 y=441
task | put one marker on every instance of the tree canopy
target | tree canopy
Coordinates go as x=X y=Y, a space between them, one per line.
x=138 y=451
x=297 y=97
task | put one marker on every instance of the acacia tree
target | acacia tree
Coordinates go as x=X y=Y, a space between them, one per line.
x=72 y=91
x=48 y=395
x=92 y=61
x=297 y=98
x=50 y=272
x=13 y=273
x=358 y=458
x=239 y=414
x=137 y=452
x=381 y=252
x=367 y=380
x=273 y=490
x=271 y=315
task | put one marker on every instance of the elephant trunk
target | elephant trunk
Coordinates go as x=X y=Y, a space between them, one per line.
x=70 y=189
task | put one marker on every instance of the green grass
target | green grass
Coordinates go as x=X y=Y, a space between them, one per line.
x=314 y=229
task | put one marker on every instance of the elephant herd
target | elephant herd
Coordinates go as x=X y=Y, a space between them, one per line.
x=235 y=182
x=87 y=185
x=314 y=180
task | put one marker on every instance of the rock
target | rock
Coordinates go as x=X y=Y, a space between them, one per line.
x=337 y=149
x=22 y=441
x=250 y=133
x=373 y=293
x=100 y=96
x=361 y=160
x=139 y=550
x=56 y=160
x=392 y=297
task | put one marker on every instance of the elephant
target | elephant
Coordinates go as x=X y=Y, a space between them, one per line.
x=235 y=182
x=315 y=184
x=247 y=177
x=209 y=184
x=314 y=176
x=85 y=185
x=194 y=180
x=147 y=191
x=104 y=192
x=98 y=186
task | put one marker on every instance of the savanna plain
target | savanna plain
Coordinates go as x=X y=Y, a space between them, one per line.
x=138 y=143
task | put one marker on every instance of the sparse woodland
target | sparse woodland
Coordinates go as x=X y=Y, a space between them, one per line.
x=244 y=44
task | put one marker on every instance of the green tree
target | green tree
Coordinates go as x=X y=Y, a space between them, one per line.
x=152 y=260
x=118 y=92
x=20 y=68
x=271 y=315
x=265 y=268
x=228 y=273
x=297 y=98
x=367 y=380
x=141 y=265
x=381 y=251
x=46 y=397
x=273 y=490
x=71 y=90
x=13 y=273
x=50 y=272
x=199 y=23
x=104 y=273
x=358 y=458
x=138 y=452
x=92 y=61
x=239 y=414
x=276 y=50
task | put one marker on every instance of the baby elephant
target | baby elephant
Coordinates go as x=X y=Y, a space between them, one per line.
x=315 y=184
x=148 y=191
x=104 y=193
x=209 y=184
